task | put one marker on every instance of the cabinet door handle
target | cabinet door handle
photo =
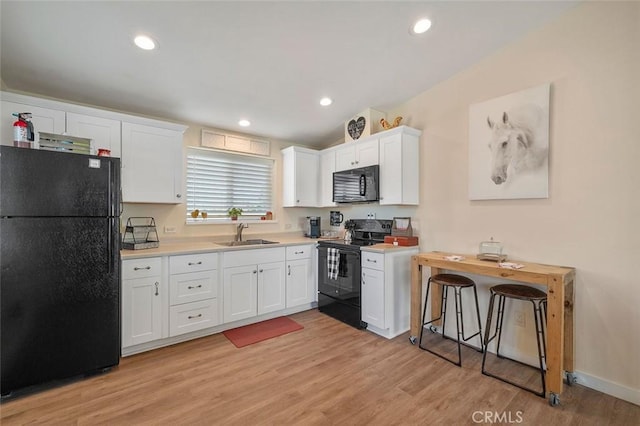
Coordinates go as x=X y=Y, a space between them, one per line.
x=138 y=269
x=261 y=270
x=191 y=287
x=197 y=263
x=289 y=266
x=178 y=195
x=255 y=272
x=157 y=284
x=194 y=316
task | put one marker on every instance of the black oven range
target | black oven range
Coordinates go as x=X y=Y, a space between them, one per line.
x=339 y=269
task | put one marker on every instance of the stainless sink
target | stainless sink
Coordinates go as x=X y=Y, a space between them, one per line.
x=246 y=243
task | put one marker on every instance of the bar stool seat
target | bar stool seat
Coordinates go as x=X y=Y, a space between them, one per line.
x=538 y=298
x=458 y=282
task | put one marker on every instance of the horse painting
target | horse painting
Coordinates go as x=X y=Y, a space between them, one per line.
x=516 y=145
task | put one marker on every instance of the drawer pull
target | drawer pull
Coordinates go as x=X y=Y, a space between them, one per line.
x=138 y=269
x=194 y=316
x=373 y=261
x=191 y=287
x=298 y=252
x=196 y=263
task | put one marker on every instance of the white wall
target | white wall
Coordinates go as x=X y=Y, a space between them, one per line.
x=591 y=57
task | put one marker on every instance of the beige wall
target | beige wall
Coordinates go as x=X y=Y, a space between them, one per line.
x=591 y=57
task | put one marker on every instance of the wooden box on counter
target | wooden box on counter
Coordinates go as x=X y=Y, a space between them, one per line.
x=401 y=241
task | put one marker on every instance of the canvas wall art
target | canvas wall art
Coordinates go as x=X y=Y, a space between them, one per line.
x=509 y=146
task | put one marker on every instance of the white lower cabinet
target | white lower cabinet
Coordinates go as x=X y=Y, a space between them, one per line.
x=373 y=297
x=386 y=290
x=193 y=293
x=253 y=283
x=174 y=298
x=142 y=309
x=301 y=289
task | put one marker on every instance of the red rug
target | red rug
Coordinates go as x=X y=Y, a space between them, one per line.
x=253 y=333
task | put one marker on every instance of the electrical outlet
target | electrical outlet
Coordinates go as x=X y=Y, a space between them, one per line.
x=169 y=229
x=371 y=215
x=519 y=318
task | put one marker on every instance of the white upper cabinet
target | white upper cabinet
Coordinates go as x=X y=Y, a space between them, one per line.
x=399 y=166
x=300 y=177
x=327 y=168
x=353 y=155
x=103 y=132
x=151 y=164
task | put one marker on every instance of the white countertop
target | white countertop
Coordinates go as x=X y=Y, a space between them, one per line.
x=208 y=244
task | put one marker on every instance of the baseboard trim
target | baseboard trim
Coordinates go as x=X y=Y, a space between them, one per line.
x=610 y=388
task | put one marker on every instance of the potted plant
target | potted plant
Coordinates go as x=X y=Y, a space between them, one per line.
x=234 y=212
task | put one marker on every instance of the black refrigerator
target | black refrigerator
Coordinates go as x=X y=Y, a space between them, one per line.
x=59 y=266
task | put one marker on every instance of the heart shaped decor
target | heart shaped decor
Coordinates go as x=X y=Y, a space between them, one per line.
x=356 y=127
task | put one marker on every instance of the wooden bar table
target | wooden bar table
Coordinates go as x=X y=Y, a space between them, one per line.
x=558 y=280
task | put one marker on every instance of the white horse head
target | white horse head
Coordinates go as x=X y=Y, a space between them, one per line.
x=511 y=143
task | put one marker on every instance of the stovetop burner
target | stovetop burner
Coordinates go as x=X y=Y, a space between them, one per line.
x=365 y=232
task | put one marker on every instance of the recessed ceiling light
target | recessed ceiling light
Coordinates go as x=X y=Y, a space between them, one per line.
x=244 y=123
x=421 y=26
x=144 y=42
x=326 y=101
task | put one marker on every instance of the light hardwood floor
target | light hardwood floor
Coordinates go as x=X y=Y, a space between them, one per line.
x=326 y=374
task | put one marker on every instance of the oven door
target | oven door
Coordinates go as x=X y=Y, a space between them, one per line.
x=346 y=287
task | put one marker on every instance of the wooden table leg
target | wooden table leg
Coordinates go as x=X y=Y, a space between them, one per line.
x=436 y=298
x=555 y=334
x=569 y=336
x=416 y=298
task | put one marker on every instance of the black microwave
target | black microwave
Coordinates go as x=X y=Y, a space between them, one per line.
x=356 y=185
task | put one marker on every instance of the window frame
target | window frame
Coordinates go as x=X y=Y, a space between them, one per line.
x=221 y=218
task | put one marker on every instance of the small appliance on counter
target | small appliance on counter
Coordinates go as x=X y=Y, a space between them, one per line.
x=491 y=250
x=313 y=227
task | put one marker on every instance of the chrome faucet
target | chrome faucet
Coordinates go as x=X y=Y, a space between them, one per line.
x=239 y=229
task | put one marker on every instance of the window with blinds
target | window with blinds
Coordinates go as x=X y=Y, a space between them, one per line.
x=217 y=181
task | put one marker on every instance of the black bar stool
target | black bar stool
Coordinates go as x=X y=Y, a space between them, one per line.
x=458 y=282
x=538 y=299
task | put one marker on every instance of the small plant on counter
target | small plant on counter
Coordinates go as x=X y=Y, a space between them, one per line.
x=234 y=212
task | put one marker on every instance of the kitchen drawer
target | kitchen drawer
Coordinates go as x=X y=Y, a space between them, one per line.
x=373 y=260
x=141 y=268
x=193 y=316
x=253 y=256
x=193 y=263
x=192 y=287
x=299 y=252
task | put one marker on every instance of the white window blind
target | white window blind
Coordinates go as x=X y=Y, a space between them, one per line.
x=217 y=181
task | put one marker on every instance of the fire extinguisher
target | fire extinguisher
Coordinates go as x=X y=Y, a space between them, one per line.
x=23 y=135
